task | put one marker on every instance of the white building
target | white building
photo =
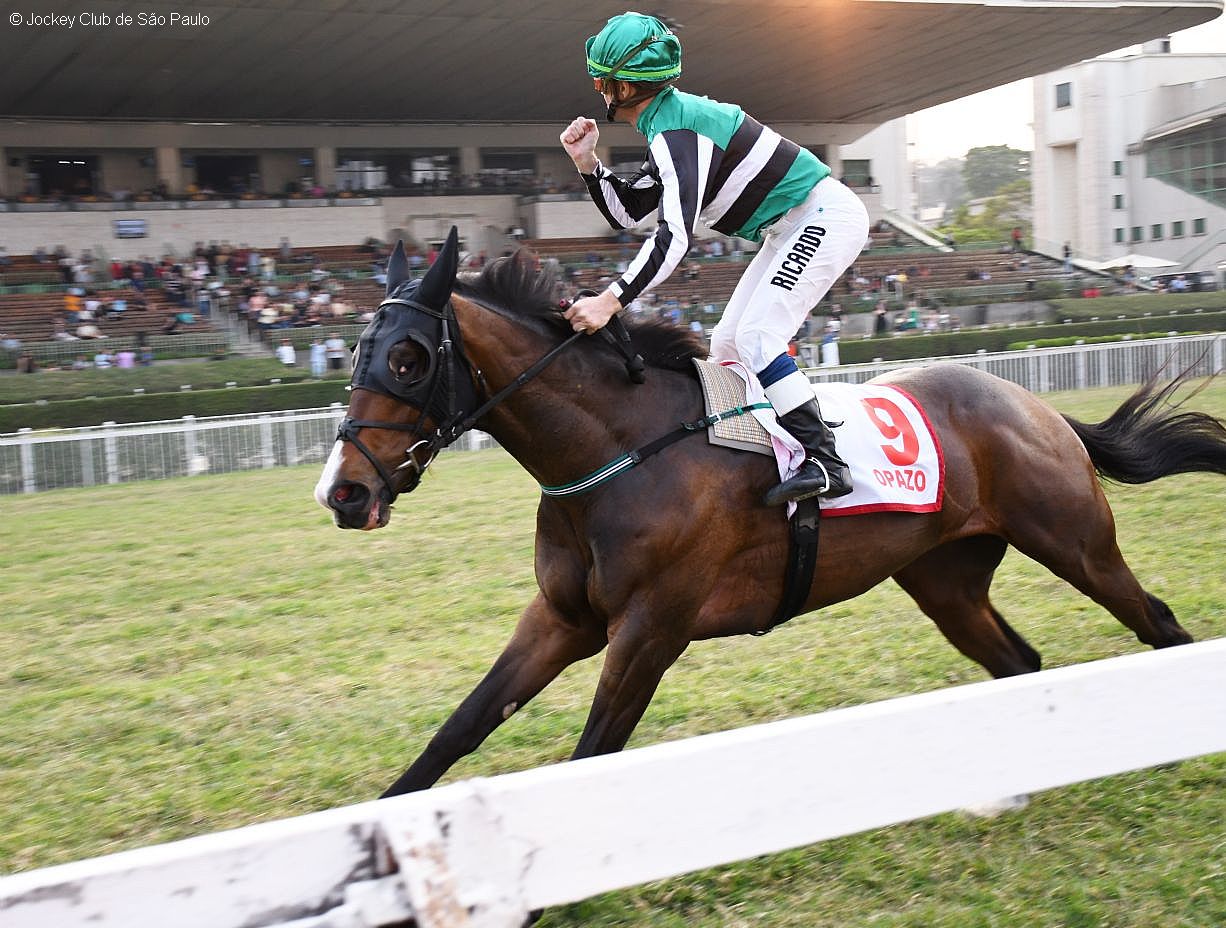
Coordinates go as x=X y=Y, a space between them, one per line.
x=878 y=159
x=1130 y=157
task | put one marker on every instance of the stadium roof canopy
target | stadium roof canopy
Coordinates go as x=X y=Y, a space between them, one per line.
x=521 y=61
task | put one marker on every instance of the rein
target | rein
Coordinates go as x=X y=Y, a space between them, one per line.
x=455 y=423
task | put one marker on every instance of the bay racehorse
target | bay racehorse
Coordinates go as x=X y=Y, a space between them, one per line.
x=680 y=547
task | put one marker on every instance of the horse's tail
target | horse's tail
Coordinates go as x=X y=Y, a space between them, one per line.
x=1148 y=438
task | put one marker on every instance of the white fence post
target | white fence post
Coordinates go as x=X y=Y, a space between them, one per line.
x=291 y=442
x=189 y=444
x=267 y=451
x=87 y=463
x=26 y=452
x=111 y=447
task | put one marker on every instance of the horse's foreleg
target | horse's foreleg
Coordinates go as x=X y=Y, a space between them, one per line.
x=636 y=661
x=543 y=645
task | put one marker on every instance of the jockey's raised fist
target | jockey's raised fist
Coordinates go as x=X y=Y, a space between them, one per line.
x=579 y=140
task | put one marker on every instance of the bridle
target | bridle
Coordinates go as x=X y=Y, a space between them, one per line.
x=437 y=393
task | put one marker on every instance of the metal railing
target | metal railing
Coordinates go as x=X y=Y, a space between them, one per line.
x=1076 y=367
x=44 y=460
x=31 y=461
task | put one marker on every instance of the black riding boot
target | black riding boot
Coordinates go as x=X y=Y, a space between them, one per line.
x=823 y=472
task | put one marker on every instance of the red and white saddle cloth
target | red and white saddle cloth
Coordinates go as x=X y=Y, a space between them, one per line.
x=887 y=441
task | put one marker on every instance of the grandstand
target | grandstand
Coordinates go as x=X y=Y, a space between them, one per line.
x=893 y=267
x=141 y=166
x=30 y=317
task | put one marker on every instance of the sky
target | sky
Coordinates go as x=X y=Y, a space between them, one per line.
x=1003 y=115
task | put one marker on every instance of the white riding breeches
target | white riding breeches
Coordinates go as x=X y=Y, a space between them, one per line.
x=803 y=254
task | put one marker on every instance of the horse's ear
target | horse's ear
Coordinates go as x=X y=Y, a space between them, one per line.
x=435 y=289
x=397 y=268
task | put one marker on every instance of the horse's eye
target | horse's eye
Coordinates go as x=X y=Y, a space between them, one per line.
x=406 y=361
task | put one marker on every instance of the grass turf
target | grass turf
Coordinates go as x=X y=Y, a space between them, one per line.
x=189 y=655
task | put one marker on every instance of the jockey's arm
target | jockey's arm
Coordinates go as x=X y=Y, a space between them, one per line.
x=676 y=157
x=622 y=203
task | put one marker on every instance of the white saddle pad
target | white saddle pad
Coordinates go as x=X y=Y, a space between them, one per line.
x=887 y=441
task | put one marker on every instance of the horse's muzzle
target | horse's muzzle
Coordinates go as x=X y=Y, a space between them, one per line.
x=354 y=506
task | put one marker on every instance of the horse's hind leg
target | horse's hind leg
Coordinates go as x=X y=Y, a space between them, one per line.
x=950 y=583
x=1077 y=543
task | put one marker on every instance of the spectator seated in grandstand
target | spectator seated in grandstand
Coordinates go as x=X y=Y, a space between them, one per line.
x=59 y=330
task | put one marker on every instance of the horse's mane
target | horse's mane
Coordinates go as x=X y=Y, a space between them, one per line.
x=514 y=287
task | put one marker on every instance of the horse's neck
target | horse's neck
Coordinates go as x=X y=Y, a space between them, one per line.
x=578 y=414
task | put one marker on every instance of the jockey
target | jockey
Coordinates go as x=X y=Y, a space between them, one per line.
x=713 y=162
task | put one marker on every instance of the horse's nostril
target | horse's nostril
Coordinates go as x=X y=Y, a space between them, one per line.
x=348 y=496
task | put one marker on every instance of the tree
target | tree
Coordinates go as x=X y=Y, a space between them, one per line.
x=995 y=219
x=991 y=167
x=941 y=184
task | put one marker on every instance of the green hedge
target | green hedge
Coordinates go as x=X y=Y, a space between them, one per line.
x=158 y=378
x=1100 y=340
x=1138 y=304
x=150 y=407
x=968 y=341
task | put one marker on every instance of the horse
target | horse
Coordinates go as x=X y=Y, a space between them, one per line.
x=680 y=547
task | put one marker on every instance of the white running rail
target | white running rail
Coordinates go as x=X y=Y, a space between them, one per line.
x=483 y=853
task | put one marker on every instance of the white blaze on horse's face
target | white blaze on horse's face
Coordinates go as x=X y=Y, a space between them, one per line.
x=330 y=476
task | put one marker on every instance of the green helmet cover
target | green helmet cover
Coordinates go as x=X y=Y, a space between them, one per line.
x=659 y=60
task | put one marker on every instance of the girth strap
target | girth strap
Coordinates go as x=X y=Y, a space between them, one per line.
x=803 y=533
x=633 y=458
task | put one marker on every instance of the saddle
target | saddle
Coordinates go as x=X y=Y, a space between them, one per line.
x=895 y=456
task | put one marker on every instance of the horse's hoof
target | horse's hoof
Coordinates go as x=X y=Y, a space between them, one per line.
x=533 y=917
